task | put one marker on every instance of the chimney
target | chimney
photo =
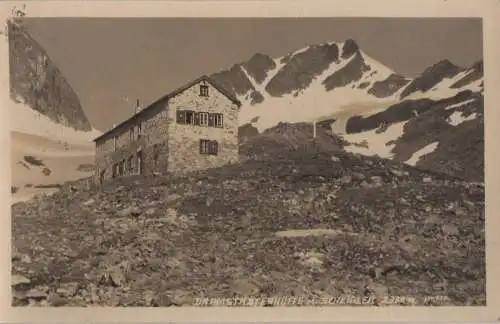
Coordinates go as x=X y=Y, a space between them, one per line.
x=137 y=106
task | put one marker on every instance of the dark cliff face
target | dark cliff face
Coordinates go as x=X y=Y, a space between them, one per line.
x=302 y=68
x=233 y=80
x=431 y=77
x=36 y=81
x=258 y=66
x=349 y=48
x=404 y=111
x=389 y=86
x=476 y=73
x=353 y=71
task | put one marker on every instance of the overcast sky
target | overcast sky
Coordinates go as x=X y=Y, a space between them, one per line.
x=107 y=60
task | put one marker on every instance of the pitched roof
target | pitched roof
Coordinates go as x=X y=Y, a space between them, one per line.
x=173 y=94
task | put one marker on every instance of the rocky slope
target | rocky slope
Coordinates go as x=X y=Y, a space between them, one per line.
x=36 y=81
x=320 y=224
x=286 y=137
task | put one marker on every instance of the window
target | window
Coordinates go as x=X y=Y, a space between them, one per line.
x=132 y=137
x=203 y=119
x=209 y=147
x=129 y=165
x=187 y=117
x=215 y=120
x=139 y=131
x=203 y=90
x=156 y=154
x=139 y=162
x=211 y=120
x=219 y=123
x=190 y=117
x=120 y=168
x=181 y=117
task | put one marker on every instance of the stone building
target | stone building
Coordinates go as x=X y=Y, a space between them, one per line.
x=192 y=128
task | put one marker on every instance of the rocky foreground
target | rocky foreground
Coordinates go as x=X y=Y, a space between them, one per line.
x=312 y=225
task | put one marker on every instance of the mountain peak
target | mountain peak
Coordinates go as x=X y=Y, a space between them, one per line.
x=259 y=56
x=349 y=48
x=478 y=66
x=432 y=76
x=258 y=66
x=442 y=66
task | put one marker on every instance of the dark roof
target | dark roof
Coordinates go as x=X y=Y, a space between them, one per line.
x=173 y=94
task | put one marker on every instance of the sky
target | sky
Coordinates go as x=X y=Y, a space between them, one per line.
x=112 y=62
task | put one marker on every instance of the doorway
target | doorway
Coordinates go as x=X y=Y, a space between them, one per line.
x=101 y=177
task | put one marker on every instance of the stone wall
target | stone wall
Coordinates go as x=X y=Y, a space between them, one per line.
x=161 y=135
x=184 y=140
x=153 y=143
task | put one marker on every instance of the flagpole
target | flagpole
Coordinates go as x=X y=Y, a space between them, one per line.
x=314 y=120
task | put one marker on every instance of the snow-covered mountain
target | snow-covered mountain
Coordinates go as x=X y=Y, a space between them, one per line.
x=318 y=81
x=435 y=120
x=443 y=80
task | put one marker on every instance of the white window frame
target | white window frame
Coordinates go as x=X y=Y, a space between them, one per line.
x=204 y=146
x=204 y=90
x=219 y=120
x=203 y=119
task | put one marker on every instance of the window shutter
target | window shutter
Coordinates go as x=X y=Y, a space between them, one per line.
x=213 y=147
x=211 y=120
x=188 y=117
x=180 y=117
x=196 y=118
x=201 y=146
x=221 y=121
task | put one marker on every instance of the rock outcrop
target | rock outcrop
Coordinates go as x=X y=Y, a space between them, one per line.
x=36 y=81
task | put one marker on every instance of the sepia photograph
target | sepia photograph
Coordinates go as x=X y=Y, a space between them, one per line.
x=246 y=161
